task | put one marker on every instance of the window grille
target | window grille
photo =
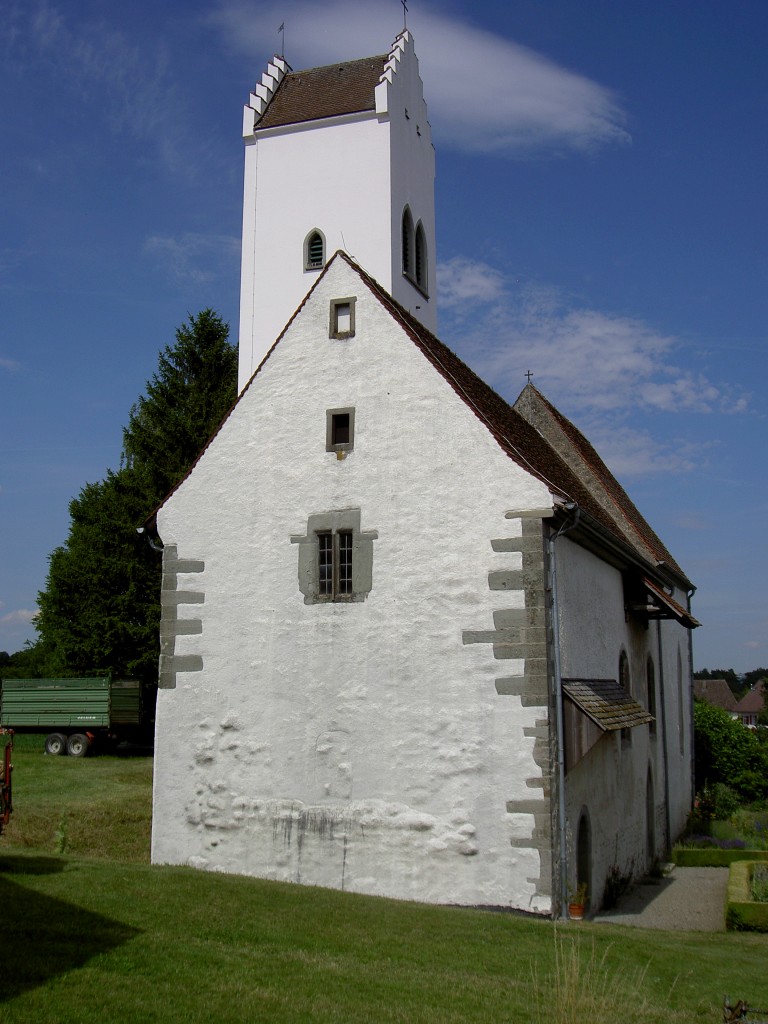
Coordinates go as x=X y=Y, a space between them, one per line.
x=334 y=553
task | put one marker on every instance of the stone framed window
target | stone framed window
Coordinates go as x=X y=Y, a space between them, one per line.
x=340 y=430
x=342 y=318
x=335 y=558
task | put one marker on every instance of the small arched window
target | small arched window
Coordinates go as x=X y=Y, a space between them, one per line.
x=314 y=250
x=420 y=258
x=407 y=243
x=626 y=682
x=650 y=681
x=624 y=672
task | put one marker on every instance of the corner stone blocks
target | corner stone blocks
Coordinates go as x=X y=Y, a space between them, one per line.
x=521 y=634
x=171 y=626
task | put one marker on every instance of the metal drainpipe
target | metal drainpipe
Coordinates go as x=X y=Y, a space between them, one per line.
x=558 y=702
x=691 y=592
x=663 y=704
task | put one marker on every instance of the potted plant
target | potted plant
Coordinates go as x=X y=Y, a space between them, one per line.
x=577 y=902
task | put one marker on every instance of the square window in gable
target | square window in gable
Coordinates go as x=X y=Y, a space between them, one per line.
x=342 y=321
x=340 y=429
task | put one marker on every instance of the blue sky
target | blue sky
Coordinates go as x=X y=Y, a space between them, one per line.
x=601 y=220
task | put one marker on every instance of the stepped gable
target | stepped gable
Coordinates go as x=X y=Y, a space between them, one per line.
x=329 y=91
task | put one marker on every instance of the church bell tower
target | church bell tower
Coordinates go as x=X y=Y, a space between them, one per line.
x=337 y=157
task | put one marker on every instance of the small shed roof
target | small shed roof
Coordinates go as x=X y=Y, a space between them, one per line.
x=607 y=703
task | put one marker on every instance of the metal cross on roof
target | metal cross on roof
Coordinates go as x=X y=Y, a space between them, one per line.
x=405 y=13
x=529 y=375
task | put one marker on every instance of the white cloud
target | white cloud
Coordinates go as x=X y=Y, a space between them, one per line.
x=196 y=258
x=600 y=368
x=20 y=617
x=464 y=283
x=484 y=92
x=8 y=364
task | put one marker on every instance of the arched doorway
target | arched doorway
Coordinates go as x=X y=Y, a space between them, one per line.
x=584 y=854
x=650 y=820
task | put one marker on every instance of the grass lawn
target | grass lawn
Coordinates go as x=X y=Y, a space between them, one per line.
x=105 y=937
x=89 y=807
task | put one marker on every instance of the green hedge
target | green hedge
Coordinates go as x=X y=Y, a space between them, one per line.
x=712 y=857
x=742 y=913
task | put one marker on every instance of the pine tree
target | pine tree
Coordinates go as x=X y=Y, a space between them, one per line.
x=100 y=610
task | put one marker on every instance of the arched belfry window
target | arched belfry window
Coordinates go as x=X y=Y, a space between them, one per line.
x=420 y=258
x=408 y=259
x=314 y=250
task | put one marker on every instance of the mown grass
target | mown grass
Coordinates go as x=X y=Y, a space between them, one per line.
x=90 y=807
x=89 y=939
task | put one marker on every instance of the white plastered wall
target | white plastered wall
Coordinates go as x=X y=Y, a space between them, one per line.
x=610 y=781
x=359 y=746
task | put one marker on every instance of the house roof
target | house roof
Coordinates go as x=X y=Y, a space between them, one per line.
x=517 y=437
x=752 y=703
x=715 y=691
x=607 y=703
x=532 y=450
x=324 y=92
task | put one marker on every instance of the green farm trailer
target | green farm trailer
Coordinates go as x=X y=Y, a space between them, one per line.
x=74 y=713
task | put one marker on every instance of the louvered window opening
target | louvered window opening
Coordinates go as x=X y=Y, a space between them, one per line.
x=315 y=252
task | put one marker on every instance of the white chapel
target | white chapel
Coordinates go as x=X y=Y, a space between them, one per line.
x=415 y=641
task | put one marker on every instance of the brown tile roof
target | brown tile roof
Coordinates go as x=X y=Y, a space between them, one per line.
x=752 y=703
x=607 y=703
x=667 y=606
x=324 y=92
x=591 y=468
x=525 y=444
x=715 y=691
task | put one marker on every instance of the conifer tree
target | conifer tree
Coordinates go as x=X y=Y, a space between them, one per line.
x=100 y=610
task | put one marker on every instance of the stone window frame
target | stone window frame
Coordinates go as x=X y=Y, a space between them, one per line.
x=333 y=320
x=339 y=446
x=335 y=522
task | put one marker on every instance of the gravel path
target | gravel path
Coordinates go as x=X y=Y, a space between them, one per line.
x=688 y=899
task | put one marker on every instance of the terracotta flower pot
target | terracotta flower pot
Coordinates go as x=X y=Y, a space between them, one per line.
x=576 y=911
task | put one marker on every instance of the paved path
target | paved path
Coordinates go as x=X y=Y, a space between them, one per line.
x=689 y=899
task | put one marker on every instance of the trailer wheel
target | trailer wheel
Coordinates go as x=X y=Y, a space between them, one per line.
x=77 y=745
x=56 y=744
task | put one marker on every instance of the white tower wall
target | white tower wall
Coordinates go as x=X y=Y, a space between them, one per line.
x=348 y=176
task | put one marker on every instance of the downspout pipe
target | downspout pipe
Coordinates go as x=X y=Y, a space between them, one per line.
x=664 y=741
x=557 y=686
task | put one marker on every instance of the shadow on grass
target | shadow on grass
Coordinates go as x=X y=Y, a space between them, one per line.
x=43 y=936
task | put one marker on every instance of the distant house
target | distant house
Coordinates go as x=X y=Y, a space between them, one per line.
x=751 y=705
x=715 y=691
